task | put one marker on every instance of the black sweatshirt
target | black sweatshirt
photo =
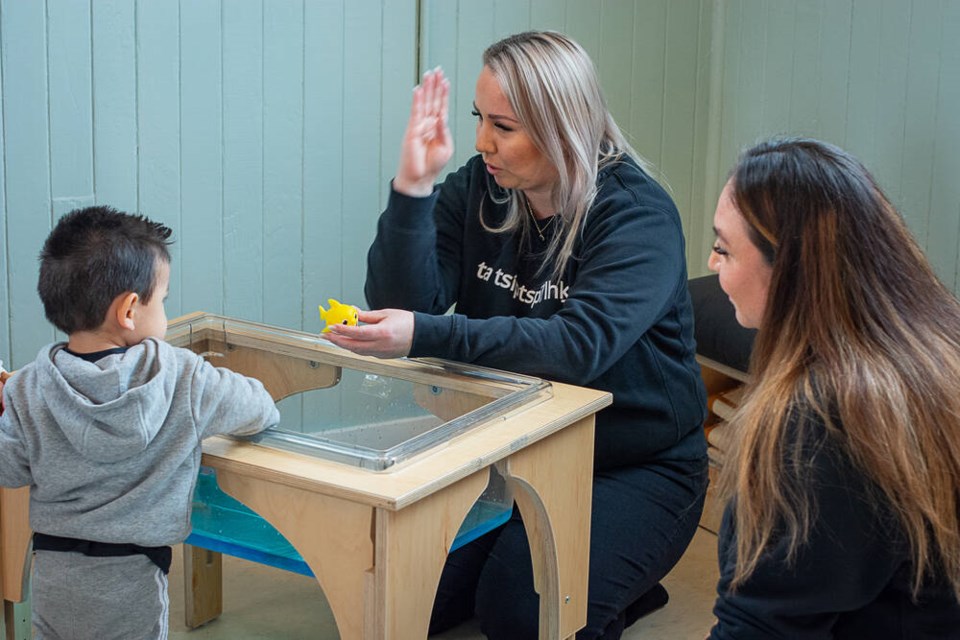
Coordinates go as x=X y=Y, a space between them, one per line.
x=619 y=319
x=850 y=581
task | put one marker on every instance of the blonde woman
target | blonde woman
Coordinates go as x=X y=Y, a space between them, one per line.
x=565 y=260
x=845 y=481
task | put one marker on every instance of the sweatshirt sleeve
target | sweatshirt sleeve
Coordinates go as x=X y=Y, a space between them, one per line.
x=14 y=464
x=630 y=274
x=850 y=557
x=413 y=262
x=226 y=402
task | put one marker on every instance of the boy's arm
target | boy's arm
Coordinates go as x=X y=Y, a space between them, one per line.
x=14 y=462
x=226 y=402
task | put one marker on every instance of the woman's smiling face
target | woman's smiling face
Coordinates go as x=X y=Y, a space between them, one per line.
x=508 y=151
x=743 y=270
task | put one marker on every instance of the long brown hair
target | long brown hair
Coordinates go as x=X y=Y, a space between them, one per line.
x=859 y=331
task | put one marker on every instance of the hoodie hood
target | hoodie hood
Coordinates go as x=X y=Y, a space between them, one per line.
x=109 y=410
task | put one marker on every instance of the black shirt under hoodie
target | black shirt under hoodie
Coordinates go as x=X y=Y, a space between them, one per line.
x=619 y=318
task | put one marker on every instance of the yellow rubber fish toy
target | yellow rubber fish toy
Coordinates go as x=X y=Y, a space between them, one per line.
x=338 y=314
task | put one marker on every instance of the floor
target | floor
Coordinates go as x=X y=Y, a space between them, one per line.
x=263 y=603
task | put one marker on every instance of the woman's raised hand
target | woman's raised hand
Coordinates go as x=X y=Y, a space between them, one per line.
x=427 y=144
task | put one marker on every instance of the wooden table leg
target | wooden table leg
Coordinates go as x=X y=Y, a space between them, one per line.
x=552 y=484
x=202 y=585
x=15 y=538
x=332 y=535
x=411 y=548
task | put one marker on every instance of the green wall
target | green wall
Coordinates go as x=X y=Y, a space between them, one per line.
x=265 y=131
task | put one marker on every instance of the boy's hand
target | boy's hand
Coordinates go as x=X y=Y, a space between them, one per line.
x=4 y=376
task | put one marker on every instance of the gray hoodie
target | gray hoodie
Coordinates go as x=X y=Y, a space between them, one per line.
x=111 y=449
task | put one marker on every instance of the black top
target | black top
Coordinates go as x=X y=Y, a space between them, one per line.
x=619 y=319
x=851 y=580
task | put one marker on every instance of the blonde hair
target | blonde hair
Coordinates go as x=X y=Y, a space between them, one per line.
x=552 y=86
x=859 y=333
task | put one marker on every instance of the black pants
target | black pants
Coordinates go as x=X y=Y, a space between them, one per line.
x=643 y=519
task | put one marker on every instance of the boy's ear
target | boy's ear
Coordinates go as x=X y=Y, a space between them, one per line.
x=124 y=310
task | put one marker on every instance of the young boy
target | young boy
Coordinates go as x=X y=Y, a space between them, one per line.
x=106 y=430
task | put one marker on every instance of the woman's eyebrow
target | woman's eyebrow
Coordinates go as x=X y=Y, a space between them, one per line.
x=496 y=116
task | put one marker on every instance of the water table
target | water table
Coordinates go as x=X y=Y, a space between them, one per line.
x=378 y=469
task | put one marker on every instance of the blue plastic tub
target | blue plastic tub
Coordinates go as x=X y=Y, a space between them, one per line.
x=221 y=523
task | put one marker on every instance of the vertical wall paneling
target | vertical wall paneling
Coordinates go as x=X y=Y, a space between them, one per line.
x=835 y=69
x=71 y=105
x=243 y=158
x=614 y=60
x=548 y=14
x=323 y=167
x=644 y=129
x=863 y=90
x=115 y=162
x=265 y=133
x=699 y=234
x=944 y=229
x=892 y=62
x=806 y=68
x=920 y=117
x=158 y=125
x=282 y=174
x=397 y=77
x=751 y=62
x=363 y=24
x=200 y=231
x=6 y=325
x=680 y=94
x=475 y=33
x=509 y=17
x=583 y=23
x=27 y=170
x=282 y=162
x=323 y=149
x=730 y=26
x=779 y=22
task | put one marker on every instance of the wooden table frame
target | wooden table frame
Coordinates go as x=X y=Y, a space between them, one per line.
x=377 y=542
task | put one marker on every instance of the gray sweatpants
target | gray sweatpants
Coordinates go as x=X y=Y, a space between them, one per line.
x=77 y=597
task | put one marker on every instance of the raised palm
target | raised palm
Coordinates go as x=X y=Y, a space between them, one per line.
x=427 y=144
